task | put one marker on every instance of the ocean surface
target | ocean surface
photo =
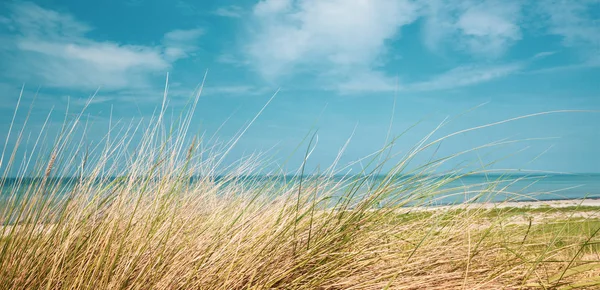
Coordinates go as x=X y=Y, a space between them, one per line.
x=477 y=188
x=525 y=188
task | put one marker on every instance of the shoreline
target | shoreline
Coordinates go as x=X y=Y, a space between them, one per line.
x=552 y=203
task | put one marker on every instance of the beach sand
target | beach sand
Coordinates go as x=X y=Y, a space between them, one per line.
x=521 y=204
x=548 y=203
x=544 y=214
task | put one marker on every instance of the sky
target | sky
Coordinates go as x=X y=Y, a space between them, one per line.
x=358 y=69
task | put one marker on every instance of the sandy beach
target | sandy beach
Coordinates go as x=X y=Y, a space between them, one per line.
x=522 y=204
x=546 y=203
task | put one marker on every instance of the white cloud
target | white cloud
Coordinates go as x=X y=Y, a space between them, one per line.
x=575 y=22
x=543 y=54
x=233 y=11
x=181 y=43
x=483 y=28
x=338 y=36
x=485 y=33
x=462 y=76
x=465 y=76
x=344 y=42
x=85 y=65
x=51 y=49
x=104 y=56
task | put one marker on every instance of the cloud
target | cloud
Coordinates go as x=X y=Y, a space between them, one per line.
x=574 y=21
x=337 y=36
x=590 y=63
x=544 y=54
x=232 y=11
x=51 y=49
x=345 y=43
x=181 y=43
x=461 y=76
x=481 y=28
x=465 y=76
x=489 y=28
x=486 y=33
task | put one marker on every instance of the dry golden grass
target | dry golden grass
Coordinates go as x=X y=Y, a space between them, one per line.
x=153 y=228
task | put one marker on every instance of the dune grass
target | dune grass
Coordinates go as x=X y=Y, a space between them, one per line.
x=168 y=222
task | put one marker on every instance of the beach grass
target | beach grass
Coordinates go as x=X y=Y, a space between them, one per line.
x=177 y=217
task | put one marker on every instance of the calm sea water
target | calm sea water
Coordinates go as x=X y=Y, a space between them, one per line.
x=526 y=188
x=513 y=187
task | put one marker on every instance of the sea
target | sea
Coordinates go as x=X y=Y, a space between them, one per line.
x=474 y=188
x=522 y=188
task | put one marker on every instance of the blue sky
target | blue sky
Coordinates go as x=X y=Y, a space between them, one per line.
x=339 y=64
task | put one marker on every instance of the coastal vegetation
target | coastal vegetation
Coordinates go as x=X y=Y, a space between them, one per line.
x=168 y=222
